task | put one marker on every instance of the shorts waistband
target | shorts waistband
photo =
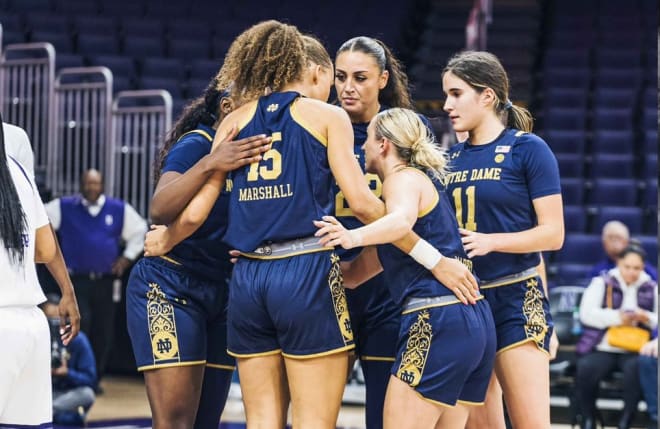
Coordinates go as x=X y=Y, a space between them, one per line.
x=414 y=304
x=512 y=278
x=285 y=249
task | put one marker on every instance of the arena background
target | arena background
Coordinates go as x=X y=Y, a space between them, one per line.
x=97 y=83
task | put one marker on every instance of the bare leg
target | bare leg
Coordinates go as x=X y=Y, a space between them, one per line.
x=317 y=386
x=405 y=409
x=523 y=372
x=264 y=389
x=174 y=395
x=491 y=414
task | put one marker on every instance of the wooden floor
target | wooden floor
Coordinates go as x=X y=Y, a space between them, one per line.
x=125 y=397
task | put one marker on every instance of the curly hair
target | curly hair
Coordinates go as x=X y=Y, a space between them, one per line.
x=268 y=55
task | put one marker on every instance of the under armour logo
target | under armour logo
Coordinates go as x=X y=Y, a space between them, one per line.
x=272 y=107
x=164 y=346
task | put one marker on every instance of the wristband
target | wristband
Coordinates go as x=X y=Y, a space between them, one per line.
x=425 y=254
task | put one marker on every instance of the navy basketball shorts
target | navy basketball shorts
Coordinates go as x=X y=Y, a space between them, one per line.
x=375 y=319
x=447 y=353
x=176 y=318
x=294 y=305
x=522 y=314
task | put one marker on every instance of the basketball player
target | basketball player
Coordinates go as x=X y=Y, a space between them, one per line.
x=504 y=186
x=176 y=304
x=445 y=350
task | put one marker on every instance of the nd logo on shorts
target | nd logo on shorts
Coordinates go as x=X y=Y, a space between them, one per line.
x=336 y=283
x=536 y=327
x=162 y=326
x=413 y=360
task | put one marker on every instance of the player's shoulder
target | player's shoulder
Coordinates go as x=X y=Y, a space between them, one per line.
x=523 y=137
x=14 y=131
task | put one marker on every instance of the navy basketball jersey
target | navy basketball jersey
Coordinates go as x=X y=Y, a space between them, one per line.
x=202 y=253
x=436 y=224
x=492 y=186
x=278 y=198
x=343 y=212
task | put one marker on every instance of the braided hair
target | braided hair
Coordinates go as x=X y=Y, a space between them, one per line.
x=13 y=223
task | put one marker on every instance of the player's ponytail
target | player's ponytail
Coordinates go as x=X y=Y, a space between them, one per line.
x=483 y=70
x=413 y=140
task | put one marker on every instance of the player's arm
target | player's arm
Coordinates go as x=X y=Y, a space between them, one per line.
x=362 y=268
x=45 y=247
x=161 y=239
x=548 y=234
x=449 y=271
x=175 y=190
x=346 y=170
x=402 y=194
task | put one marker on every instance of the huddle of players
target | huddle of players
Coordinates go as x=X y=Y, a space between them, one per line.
x=263 y=163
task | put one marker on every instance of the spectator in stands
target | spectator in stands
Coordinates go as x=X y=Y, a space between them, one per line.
x=648 y=375
x=92 y=228
x=616 y=237
x=623 y=296
x=74 y=372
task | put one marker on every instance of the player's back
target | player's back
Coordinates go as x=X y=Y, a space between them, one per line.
x=278 y=198
x=437 y=225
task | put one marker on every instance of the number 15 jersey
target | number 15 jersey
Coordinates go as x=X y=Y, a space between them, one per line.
x=278 y=198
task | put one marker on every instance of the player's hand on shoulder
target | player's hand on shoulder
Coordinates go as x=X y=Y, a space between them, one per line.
x=229 y=154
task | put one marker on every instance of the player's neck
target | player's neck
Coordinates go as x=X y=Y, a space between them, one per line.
x=487 y=131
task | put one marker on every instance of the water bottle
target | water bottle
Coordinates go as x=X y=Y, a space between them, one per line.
x=576 y=328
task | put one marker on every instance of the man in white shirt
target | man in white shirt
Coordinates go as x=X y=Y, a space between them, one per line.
x=91 y=228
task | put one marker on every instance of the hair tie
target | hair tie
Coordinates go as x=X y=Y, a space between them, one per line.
x=508 y=105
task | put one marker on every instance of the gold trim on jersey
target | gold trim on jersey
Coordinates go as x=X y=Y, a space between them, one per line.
x=519 y=343
x=436 y=198
x=288 y=255
x=162 y=326
x=529 y=273
x=378 y=358
x=338 y=293
x=170 y=365
x=298 y=119
x=248 y=117
x=441 y=304
x=200 y=132
x=418 y=345
x=315 y=355
x=461 y=401
x=251 y=355
x=217 y=366
x=443 y=404
x=170 y=260
x=520 y=133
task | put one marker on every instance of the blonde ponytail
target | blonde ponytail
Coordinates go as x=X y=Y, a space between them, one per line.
x=413 y=140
